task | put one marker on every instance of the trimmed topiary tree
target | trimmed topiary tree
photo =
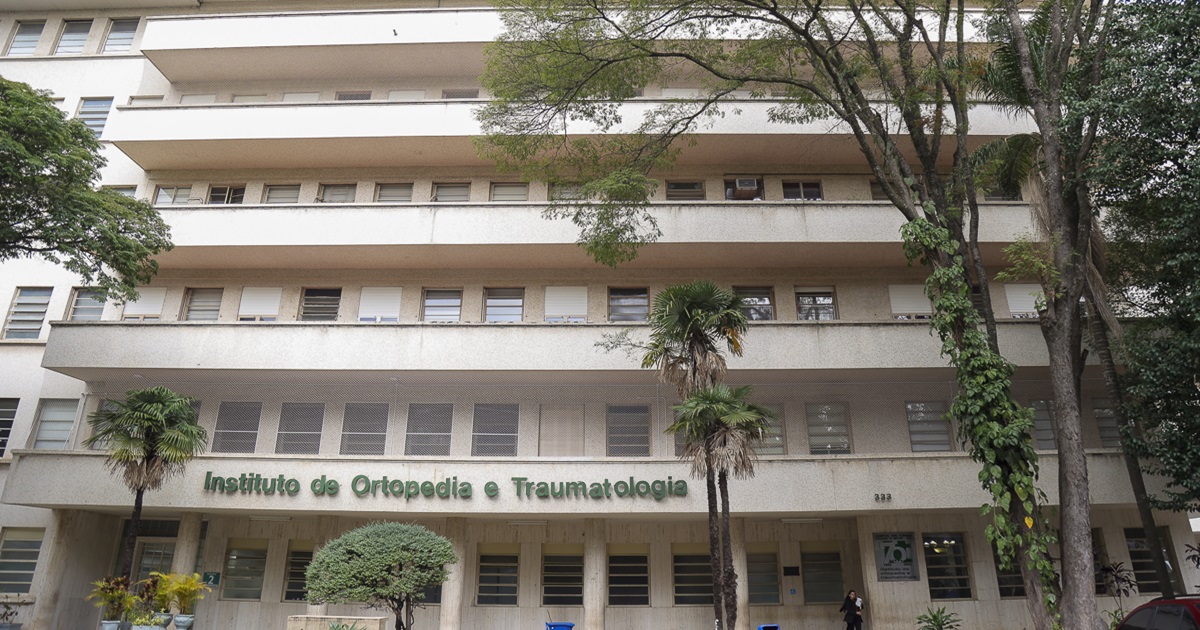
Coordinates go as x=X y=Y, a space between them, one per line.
x=390 y=566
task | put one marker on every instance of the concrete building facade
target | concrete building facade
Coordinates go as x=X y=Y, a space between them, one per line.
x=380 y=326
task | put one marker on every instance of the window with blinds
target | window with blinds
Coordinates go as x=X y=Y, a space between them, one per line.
x=503 y=305
x=85 y=305
x=562 y=575
x=394 y=193
x=928 y=427
x=628 y=305
x=203 y=305
x=25 y=40
x=560 y=430
x=1022 y=300
x=94 y=113
x=510 y=192
x=441 y=305
x=148 y=306
x=8 y=413
x=337 y=193
x=815 y=304
x=758 y=303
x=226 y=195
x=1043 y=425
x=282 y=193
x=566 y=304
x=498 y=565
x=877 y=191
x=429 y=426
x=946 y=565
x=803 y=191
x=828 y=429
x=56 y=418
x=379 y=304
x=259 y=304
x=237 y=427
x=685 y=191
x=74 y=36
x=320 y=305
x=908 y=302
x=821 y=573
x=172 y=195
x=1141 y=563
x=364 y=428
x=245 y=566
x=295 y=580
x=774 y=438
x=27 y=313
x=300 y=428
x=495 y=430
x=1009 y=581
x=628 y=575
x=762 y=574
x=120 y=35
x=19 y=551
x=628 y=430
x=451 y=193
x=1106 y=423
x=691 y=575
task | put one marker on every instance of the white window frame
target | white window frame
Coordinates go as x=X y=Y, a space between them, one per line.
x=252 y=307
x=908 y=302
x=425 y=305
x=379 y=304
x=818 y=309
x=16 y=545
x=147 y=308
x=295 y=432
x=566 y=304
x=75 y=309
x=388 y=192
x=497 y=305
x=509 y=192
x=358 y=426
x=191 y=309
x=685 y=190
x=251 y=556
x=615 y=446
x=172 y=195
x=451 y=192
x=337 y=193
x=495 y=429
x=8 y=417
x=317 y=307
x=63 y=424
x=755 y=293
x=927 y=434
x=74 y=37
x=94 y=112
x=223 y=430
x=124 y=41
x=226 y=195
x=812 y=418
x=25 y=44
x=26 y=304
x=281 y=194
x=628 y=313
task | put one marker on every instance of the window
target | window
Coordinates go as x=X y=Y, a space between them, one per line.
x=1009 y=580
x=1043 y=425
x=74 y=36
x=56 y=418
x=691 y=573
x=497 y=575
x=828 y=431
x=877 y=191
x=744 y=188
x=1000 y=193
x=560 y=430
x=86 y=305
x=628 y=575
x=19 y=550
x=282 y=193
x=758 y=303
x=815 y=304
x=628 y=305
x=429 y=426
x=928 y=427
x=248 y=98
x=1022 y=300
x=172 y=195
x=909 y=302
x=628 y=430
x=94 y=113
x=510 y=192
x=566 y=304
x=356 y=95
x=203 y=305
x=1140 y=561
x=773 y=440
x=245 y=565
x=1099 y=559
x=565 y=192
x=460 y=93
x=379 y=304
x=821 y=573
x=27 y=313
x=148 y=306
x=125 y=191
x=152 y=555
x=406 y=95
x=197 y=99
x=259 y=304
x=337 y=193
x=806 y=191
x=237 y=427
x=762 y=574
x=300 y=428
x=8 y=413
x=495 y=430
x=503 y=305
x=25 y=40
x=685 y=191
x=1106 y=423
x=364 y=429
x=562 y=575
x=946 y=564
x=295 y=580
x=320 y=305
x=394 y=193
x=226 y=195
x=441 y=305
x=120 y=35
x=301 y=97
x=451 y=193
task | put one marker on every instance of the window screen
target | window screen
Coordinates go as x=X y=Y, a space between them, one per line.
x=364 y=428
x=452 y=193
x=928 y=428
x=510 y=192
x=337 y=193
x=394 y=193
x=566 y=304
x=148 y=306
x=237 y=427
x=692 y=579
x=821 y=572
x=828 y=429
x=909 y=302
x=442 y=305
x=429 y=426
x=379 y=304
x=495 y=430
x=762 y=577
x=300 y=428
x=282 y=193
x=295 y=580
x=94 y=113
x=259 y=304
x=685 y=191
x=628 y=430
x=1022 y=300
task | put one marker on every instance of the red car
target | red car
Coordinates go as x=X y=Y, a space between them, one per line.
x=1176 y=613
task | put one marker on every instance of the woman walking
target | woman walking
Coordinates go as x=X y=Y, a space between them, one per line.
x=853 y=609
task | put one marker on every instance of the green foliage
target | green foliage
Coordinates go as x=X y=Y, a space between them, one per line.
x=388 y=566
x=182 y=589
x=688 y=324
x=938 y=620
x=333 y=625
x=720 y=427
x=50 y=208
x=1119 y=582
x=150 y=436
x=111 y=595
x=8 y=613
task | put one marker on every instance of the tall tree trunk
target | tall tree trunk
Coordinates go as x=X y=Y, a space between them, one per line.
x=131 y=536
x=728 y=574
x=714 y=547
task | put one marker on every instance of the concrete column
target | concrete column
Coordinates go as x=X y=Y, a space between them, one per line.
x=737 y=536
x=595 y=573
x=187 y=544
x=48 y=586
x=455 y=587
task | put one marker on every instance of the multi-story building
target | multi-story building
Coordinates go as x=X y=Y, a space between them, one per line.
x=379 y=325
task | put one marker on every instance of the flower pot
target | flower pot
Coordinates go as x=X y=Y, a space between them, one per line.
x=110 y=625
x=184 y=622
x=10 y=626
x=145 y=628
x=162 y=620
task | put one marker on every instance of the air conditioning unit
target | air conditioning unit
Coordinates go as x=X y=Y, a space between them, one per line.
x=745 y=188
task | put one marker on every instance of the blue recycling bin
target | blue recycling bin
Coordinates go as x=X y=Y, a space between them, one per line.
x=559 y=625
x=769 y=626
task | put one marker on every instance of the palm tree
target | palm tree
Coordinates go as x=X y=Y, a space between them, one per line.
x=720 y=428
x=150 y=437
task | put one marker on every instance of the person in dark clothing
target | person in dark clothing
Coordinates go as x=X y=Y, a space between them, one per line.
x=853 y=609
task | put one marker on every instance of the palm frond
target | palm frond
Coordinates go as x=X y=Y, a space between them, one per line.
x=149 y=436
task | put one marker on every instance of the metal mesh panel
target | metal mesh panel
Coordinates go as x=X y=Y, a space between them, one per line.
x=928 y=428
x=828 y=429
x=300 y=428
x=364 y=428
x=628 y=430
x=495 y=430
x=429 y=428
x=237 y=427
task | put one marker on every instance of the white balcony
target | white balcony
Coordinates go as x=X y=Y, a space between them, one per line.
x=100 y=351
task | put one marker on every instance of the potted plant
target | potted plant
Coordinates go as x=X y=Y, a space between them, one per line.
x=8 y=618
x=154 y=593
x=111 y=595
x=144 y=620
x=186 y=590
